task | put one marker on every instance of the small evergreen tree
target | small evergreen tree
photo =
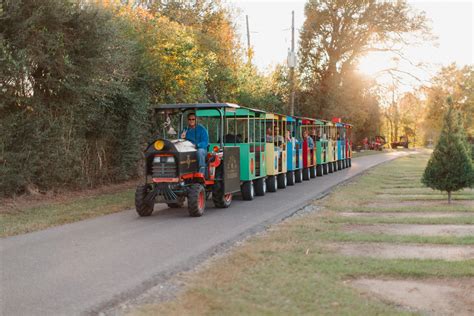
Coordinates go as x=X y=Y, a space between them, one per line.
x=450 y=167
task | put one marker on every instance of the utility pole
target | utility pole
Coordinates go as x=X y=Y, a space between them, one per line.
x=249 y=54
x=292 y=65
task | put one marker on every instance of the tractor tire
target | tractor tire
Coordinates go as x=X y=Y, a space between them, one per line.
x=282 y=181
x=319 y=170
x=196 y=200
x=248 y=192
x=143 y=207
x=312 y=172
x=334 y=167
x=306 y=174
x=178 y=204
x=290 y=178
x=220 y=199
x=330 y=165
x=298 y=176
x=260 y=186
x=271 y=184
x=350 y=162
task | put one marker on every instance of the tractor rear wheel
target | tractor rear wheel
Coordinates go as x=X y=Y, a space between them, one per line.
x=143 y=206
x=248 y=192
x=334 y=167
x=260 y=186
x=220 y=199
x=305 y=174
x=271 y=184
x=312 y=172
x=290 y=175
x=350 y=162
x=282 y=181
x=330 y=165
x=196 y=200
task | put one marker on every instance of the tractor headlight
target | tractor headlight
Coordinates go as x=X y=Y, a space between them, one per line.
x=163 y=159
x=168 y=159
x=159 y=145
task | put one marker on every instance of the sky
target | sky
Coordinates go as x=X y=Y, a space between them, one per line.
x=451 y=21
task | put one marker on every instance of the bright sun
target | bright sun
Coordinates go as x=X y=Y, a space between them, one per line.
x=373 y=63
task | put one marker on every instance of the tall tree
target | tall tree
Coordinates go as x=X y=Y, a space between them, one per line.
x=450 y=167
x=336 y=33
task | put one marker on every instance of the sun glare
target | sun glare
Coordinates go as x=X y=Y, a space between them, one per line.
x=372 y=64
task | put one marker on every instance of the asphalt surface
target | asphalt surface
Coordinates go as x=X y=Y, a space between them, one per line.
x=89 y=266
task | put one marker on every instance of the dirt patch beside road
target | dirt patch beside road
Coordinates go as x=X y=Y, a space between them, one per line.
x=437 y=297
x=401 y=214
x=412 y=229
x=405 y=251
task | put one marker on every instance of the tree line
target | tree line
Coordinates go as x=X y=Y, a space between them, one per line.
x=78 y=77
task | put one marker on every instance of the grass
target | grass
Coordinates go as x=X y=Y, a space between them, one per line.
x=28 y=219
x=291 y=270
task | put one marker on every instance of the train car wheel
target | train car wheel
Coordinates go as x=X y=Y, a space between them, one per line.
x=260 y=187
x=196 y=200
x=248 y=191
x=290 y=175
x=220 y=199
x=306 y=174
x=319 y=170
x=298 y=176
x=282 y=181
x=271 y=184
x=143 y=206
x=312 y=172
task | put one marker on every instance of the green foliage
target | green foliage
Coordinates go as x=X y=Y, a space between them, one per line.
x=454 y=81
x=450 y=167
x=78 y=79
x=70 y=112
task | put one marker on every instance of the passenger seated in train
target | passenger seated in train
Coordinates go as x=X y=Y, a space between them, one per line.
x=308 y=139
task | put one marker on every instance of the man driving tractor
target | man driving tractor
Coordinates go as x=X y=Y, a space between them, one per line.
x=198 y=135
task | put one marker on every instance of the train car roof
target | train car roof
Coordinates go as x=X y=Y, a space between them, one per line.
x=185 y=106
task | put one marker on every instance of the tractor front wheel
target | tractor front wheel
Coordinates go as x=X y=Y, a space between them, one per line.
x=143 y=205
x=196 y=200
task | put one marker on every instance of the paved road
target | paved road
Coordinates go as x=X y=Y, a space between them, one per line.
x=87 y=266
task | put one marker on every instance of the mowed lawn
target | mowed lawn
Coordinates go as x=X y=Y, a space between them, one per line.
x=29 y=215
x=297 y=267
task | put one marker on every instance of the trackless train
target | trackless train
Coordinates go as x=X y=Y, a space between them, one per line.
x=248 y=151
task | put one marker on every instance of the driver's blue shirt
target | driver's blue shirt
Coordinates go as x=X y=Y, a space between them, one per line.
x=198 y=136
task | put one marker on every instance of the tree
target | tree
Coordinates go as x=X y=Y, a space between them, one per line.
x=454 y=81
x=450 y=167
